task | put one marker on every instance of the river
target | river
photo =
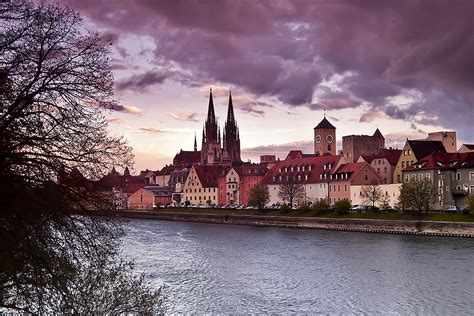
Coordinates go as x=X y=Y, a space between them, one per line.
x=212 y=268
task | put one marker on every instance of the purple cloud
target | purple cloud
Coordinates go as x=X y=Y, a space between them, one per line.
x=142 y=81
x=286 y=49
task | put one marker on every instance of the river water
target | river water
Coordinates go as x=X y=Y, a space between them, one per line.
x=213 y=268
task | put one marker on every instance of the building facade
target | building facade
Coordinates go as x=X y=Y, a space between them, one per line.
x=325 y=138
x=348 y=175
x=447 y=138
x=391 y=193
x=354 y=146
x=383 y=163
x=312 y=172
x=201 y=187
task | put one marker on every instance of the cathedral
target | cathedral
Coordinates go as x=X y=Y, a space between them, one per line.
x=217 y=150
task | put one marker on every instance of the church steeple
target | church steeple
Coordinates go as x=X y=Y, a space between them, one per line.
x=230 y=110
x=211 y=116
x=195 y=143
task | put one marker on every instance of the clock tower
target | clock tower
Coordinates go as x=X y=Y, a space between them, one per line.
x=325 y=138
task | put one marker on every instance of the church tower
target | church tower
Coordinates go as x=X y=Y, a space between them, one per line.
x=325 y=138
x=231 y=137
x=211 y=143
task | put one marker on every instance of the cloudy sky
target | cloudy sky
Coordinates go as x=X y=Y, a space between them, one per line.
x=404 y=66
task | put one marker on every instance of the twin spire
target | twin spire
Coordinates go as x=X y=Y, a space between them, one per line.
x=211 y=115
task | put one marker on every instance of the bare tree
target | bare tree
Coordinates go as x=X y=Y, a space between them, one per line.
x=55 y=79
x=259 y=196
x=371 y=194
x=290 y=190
x=417 y=195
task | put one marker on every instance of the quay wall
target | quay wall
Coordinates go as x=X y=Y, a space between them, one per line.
x=432 y=228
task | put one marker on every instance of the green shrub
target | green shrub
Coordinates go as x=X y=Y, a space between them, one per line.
x=320 y=205
x=470 y=203
x=285 y=208
x=342 y=206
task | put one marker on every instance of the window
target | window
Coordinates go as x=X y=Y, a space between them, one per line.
x=345 y=187
x=471 y=176
x=309 y=168
x=141 y=198
x=403 y=164
x=458 y=176
x=471 y=189
x=407 y=178
x=338 y=188
x=366 y=177
x=427 y=176
x=447 y=188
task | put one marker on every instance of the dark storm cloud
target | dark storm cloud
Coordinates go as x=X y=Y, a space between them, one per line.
x=286 y=48
x=117 y=107
x=142 y=81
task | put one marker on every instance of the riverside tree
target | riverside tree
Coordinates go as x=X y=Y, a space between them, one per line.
x=55 y=79
x=259 y=196
x=290 y=190
x=371 y=194
x=417 y=195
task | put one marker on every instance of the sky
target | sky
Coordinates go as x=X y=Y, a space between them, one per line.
x=403 y=66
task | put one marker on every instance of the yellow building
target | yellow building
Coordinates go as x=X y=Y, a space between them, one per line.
x=200 y=187
x=413 y=151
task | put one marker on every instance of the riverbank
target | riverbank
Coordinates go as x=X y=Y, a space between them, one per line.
x=412 y=227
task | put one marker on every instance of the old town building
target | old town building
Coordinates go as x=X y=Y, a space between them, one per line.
x=447 y=138
x=450 y=174
x=412 y=152
x=312 y=172
x=236 y=182
x=201 y=186
x=347 y=175
x=383 y=163
x=149 y=197
x=354 y=146
x=325 y=138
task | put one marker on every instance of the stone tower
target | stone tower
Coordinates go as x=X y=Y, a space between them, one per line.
x=211 y=152
x=231 y=139
x=325 y=138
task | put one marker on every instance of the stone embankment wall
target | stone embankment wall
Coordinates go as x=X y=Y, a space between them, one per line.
x=450 y=229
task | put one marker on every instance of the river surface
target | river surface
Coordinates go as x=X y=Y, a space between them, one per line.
x=213 y=268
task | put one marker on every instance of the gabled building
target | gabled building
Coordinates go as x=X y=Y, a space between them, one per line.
x=413 y=151
x=201 y=186
x=312 y=172
x=466 y=148
x=384 y=163
x=149 y=197
x=451 y=175
x=350 y=174
x=235 y=183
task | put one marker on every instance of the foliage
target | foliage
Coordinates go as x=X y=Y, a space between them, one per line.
x=259 y=196
x=54 y=81
x=290 y=190
x=417 y=196
x=320 y=205
x=384 y=201
x=371 y=194
x=342 y=206
x=470 y=203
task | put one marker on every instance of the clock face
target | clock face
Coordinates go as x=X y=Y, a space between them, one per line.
x=329 y=139
x=318 y=139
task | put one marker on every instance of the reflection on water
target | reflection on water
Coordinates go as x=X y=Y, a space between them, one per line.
x=210 y=268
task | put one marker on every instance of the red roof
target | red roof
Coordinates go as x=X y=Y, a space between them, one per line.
x=208 y=174
x=187 y=158
x=296 y=154
x=319 y=165
x=166 y=170
x=392 y=156
x=351 y=169
x=252 y=170
x=469 y=146
x=440 y=160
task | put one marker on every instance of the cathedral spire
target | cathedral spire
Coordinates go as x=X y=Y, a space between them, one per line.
x=195 y=142
x=211 y=116
x=230 y=110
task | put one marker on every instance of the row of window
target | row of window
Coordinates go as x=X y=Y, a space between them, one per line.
x=407 y=163
x=420 y=177
x=200 y=198
x=407 y=152
x=338 y=188
x=199 y=190
x=302 y=168
x=459 y=177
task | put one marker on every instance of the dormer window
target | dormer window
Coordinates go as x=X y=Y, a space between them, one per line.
x=299 y=177
x=279 y=170
x=329 y=167
x=286 y=169
x=306 y=177
x=302 y=168
x=335 y=176
x=273 y=179
x=321 y=176
x=309 y=168
x=298 y=168
x=291 y=169
x=324 y=167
